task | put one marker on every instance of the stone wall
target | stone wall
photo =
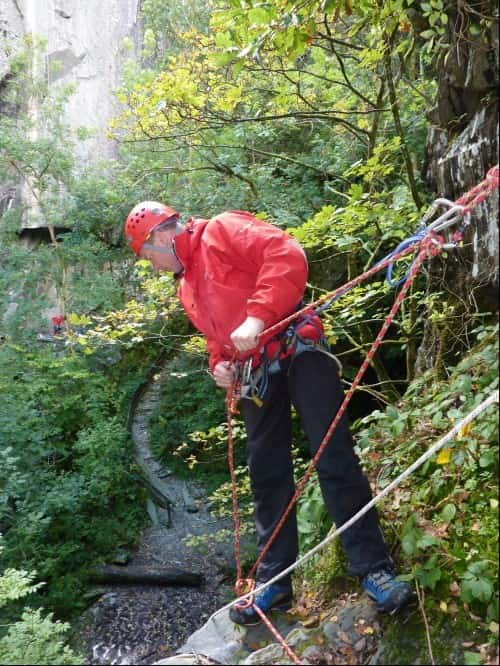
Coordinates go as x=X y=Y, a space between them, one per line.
x=83 y=47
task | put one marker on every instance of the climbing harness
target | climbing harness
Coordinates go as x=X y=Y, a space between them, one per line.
x=304 y=334
x=428 y=243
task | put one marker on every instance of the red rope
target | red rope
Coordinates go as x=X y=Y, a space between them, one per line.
x=480 y=192
x=277 y=635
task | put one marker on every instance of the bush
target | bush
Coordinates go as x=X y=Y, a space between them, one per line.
x=34 y=638
x=70 y=493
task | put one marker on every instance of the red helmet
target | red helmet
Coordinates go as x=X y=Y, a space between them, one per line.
x=142 y=219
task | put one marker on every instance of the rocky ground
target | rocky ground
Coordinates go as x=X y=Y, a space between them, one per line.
x=140 y=624
x=348 y=632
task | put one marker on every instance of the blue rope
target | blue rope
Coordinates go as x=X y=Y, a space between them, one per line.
x=412 y=240
x=419 y=234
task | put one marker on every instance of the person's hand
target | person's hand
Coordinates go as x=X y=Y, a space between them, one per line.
x=246 y=336
x=224 y=374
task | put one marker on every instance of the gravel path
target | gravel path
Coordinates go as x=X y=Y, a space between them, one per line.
x=139 y=624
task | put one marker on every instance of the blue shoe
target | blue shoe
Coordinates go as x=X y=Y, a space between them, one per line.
x=389 y=594
x=274 y=597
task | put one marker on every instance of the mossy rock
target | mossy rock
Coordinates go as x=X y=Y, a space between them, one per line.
x=406 y=643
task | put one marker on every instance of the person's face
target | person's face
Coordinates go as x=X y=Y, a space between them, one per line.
x=158 y=249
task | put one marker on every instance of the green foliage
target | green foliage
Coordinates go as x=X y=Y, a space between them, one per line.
x=69 y=487
x=34 y=638
x=446 y=515
x=313 y=521
x=182 y=430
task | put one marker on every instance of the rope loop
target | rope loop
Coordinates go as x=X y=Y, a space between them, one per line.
x=244 y=586
x=493 y=177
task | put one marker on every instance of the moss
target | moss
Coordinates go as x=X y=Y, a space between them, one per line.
x=327 y=573
x=405 y=642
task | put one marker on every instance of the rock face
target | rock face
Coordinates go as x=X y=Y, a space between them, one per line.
x=462 y=142
x=84 y=46
x=462 y=145
x=459 y=163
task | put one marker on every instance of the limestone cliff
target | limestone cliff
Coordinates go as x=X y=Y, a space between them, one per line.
x=84 y=47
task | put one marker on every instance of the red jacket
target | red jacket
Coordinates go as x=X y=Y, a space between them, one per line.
x=236 y=266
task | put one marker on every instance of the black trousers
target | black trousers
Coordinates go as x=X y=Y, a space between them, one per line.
x=312 y=385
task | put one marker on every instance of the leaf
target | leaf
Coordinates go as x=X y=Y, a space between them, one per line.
x=444 y=456
x=471 y=658
x=397 y=427
x=311 y=622
x=449 y=511
x=427 y=540
x=259 y=16
x=437 y=419
x=476 y=587
x=464 y=384
x=429 y=578
x=392 y=412
x=464 y=431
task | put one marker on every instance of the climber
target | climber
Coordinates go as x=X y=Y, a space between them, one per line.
x=58 y=324
x=237 y=276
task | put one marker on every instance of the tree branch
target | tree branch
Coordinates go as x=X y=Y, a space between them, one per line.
x=397 y=121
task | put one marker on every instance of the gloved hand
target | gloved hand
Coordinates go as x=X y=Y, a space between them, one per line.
x=246 y=336
x=224 y=374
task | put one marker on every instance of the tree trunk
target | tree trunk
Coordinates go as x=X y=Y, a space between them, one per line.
x=109 y=574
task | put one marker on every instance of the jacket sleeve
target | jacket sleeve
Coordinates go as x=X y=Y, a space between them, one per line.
x=279 y=264
x=214 y=354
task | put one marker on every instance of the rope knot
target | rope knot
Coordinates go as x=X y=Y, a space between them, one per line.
x=243 y=586
x=433 y=244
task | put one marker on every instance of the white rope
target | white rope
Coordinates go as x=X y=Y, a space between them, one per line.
x=494 y=397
